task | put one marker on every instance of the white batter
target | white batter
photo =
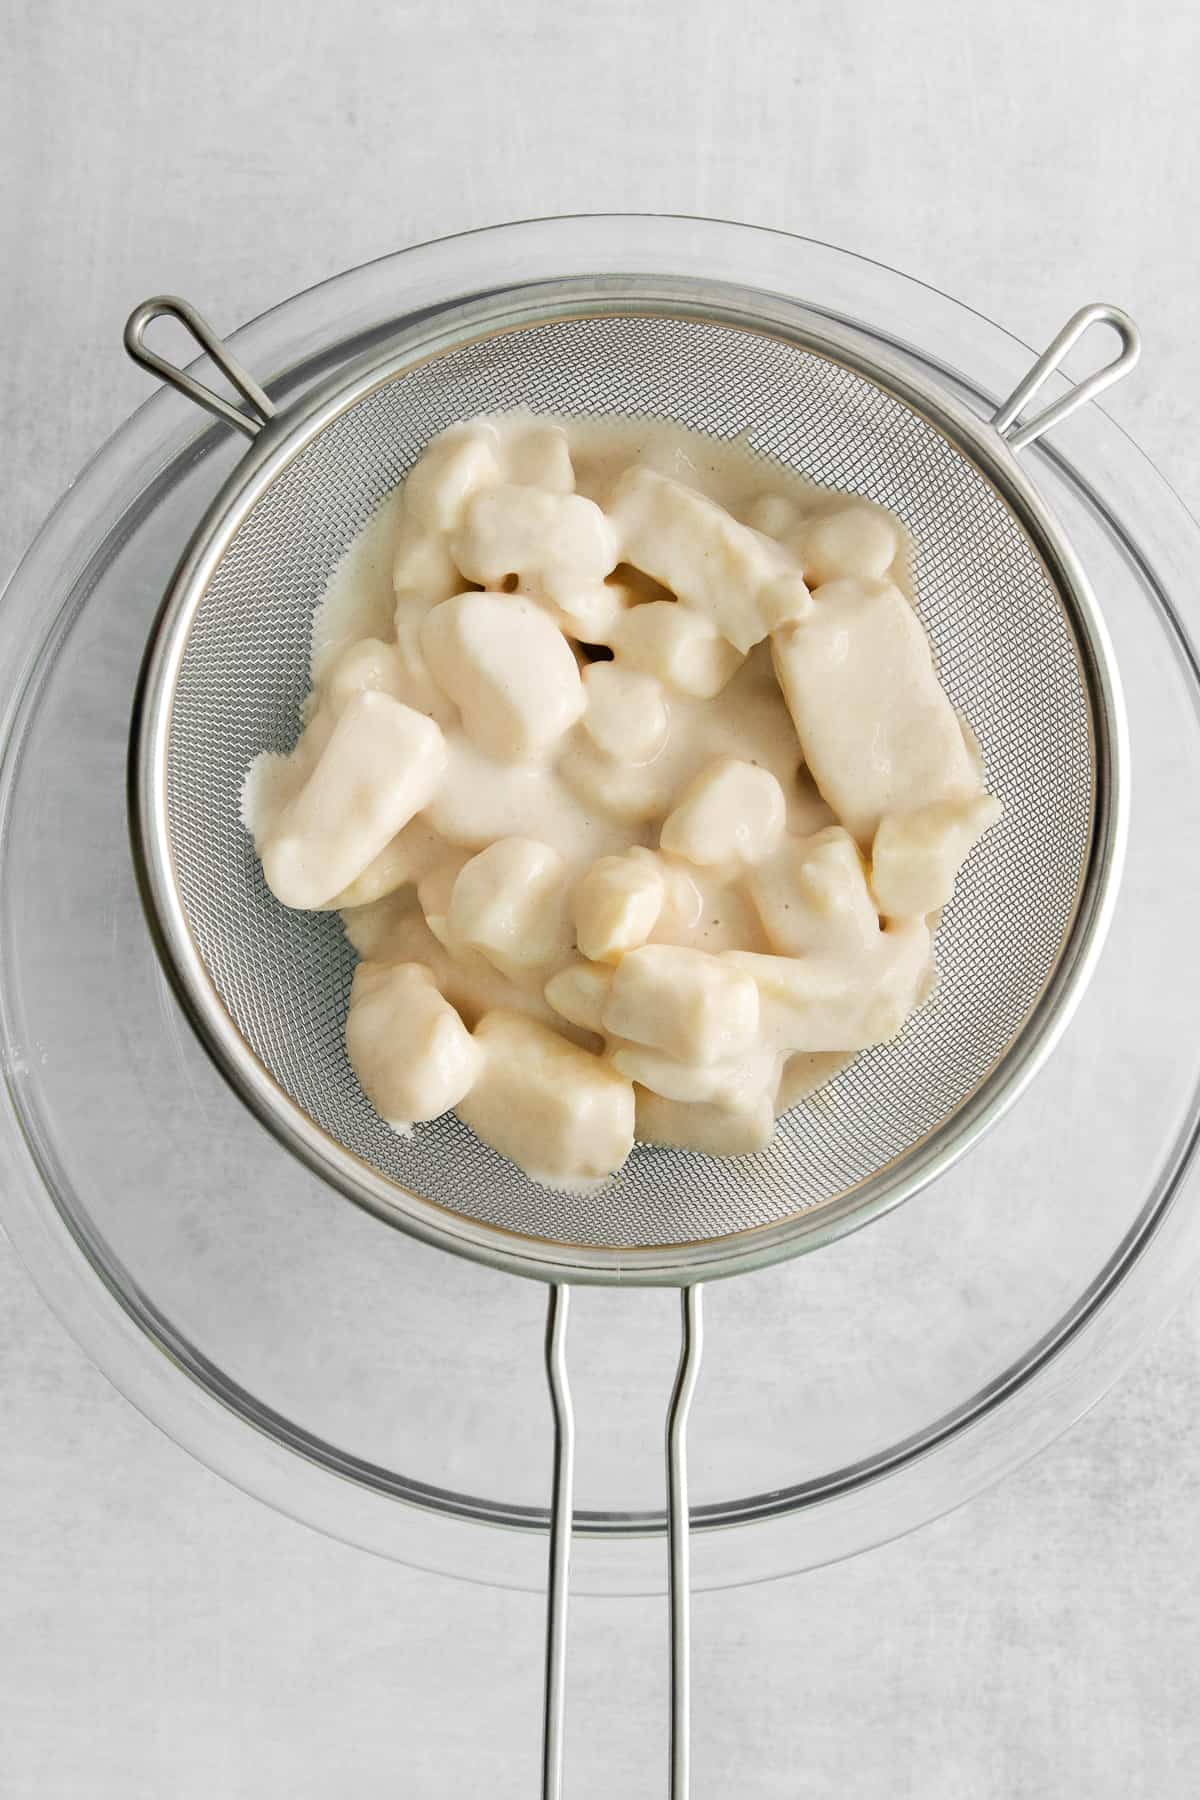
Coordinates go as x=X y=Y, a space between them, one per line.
x=628 y=768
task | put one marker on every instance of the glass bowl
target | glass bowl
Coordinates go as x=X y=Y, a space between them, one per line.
x=394 y=1396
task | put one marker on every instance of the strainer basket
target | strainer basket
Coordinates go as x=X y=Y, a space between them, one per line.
x=1021 y=650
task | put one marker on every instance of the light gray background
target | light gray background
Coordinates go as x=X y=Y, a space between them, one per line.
x=169 y=1639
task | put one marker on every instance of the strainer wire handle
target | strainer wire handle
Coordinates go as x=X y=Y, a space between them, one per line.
x=678 y=1541
x=1008 y=415
x=558 y=1573
x=261 y=408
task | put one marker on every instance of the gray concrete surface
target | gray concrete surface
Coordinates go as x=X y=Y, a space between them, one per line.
x=169 y=1639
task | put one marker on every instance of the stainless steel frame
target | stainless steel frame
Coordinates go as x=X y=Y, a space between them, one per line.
x=286 y=435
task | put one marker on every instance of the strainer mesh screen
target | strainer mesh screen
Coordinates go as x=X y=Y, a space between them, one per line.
x=1006 y=654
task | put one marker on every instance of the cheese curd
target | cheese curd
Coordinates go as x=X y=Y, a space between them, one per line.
x=553 y=544
x=745 y=583
x=617 y=906
x=627 y=764
x=412 y=1053
x=876 y=726
x=814 y=897
x=508 y=669
x=734 y=813
x=379 y=767
x=559 y=1112
x=682 y=648
x=510 y=904
x=687 y=1003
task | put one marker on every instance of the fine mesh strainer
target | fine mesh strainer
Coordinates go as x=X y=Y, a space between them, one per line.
x=1021 y=650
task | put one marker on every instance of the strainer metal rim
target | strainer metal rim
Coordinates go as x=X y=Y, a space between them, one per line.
x=284 y=437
